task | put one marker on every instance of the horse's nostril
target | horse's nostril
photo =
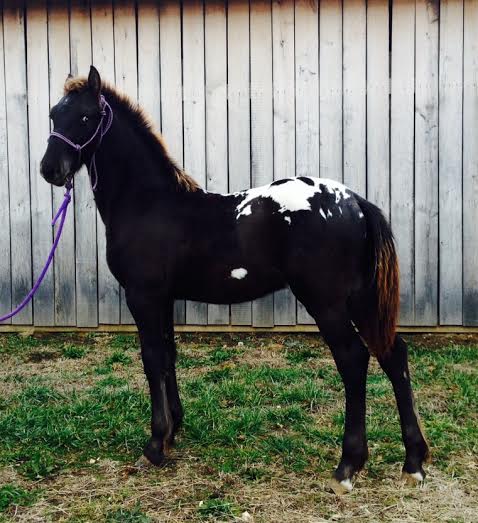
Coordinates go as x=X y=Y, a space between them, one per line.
x=48 y=172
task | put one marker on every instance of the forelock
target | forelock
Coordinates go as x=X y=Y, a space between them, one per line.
x=76 y=84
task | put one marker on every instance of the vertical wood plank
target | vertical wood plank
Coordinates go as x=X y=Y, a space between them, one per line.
x=470 y=165
x=378 y=118
x=5 y=268
x=331 y=90
x=402 y=150
x=262 y=150
x=307 y=100
x=283 y=68
x=126 y=79
x=103 y=59
x=38 y=127
x=216 y=116
x=64 y=266
x=171 y=96
x=426 y=163
x=85 y=207
x=149 y=63
x=450 y=162
x=239 y=117
x=354 y=93
x=18 y=162
x=194 y=114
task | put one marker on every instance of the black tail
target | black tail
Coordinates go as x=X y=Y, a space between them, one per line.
x=375 y=311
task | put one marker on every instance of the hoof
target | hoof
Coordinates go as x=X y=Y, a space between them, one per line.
x=413 y=479
x=154 y=452
x=340 y=488
x=143 y=463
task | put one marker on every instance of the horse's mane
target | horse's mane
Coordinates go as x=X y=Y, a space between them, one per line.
x=142 y=122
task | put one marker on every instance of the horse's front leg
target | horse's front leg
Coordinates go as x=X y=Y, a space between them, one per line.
x=154 y=318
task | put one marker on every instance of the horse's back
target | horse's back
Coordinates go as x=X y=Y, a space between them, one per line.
x=310 y=229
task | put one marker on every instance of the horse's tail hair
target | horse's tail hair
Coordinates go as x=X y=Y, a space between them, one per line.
x=380 y=298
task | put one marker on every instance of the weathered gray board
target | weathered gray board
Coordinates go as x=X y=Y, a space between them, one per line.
x=244 y=93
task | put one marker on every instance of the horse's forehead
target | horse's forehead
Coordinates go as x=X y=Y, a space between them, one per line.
x=62 y=105
x=66 y=103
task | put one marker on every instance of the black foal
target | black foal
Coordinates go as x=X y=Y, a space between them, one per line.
x=168 y=239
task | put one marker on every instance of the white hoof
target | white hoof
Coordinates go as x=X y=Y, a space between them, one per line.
x=412 y=479
x=340 y=487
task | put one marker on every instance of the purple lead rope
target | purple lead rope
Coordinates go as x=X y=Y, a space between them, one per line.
x=61 y=215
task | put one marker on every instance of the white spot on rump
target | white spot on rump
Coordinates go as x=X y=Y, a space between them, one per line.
x=287 y=219
x=239 y=273
x=322 y=213
x=347 y=484
x=329 y=214
x=360 y=215
x=292 y=195
x=246 y=211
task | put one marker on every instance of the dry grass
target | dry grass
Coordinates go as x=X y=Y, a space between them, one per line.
x=172 y=495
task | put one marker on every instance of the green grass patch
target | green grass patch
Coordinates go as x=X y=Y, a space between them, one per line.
x=14 y=495
x=73 y=352
x=118 y=357
x=124 y=515
x=217 y=509
x=41 y=430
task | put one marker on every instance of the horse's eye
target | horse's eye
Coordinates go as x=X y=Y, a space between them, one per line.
x=84 y=119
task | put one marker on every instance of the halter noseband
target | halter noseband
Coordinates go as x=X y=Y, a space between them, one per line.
x=101 y=130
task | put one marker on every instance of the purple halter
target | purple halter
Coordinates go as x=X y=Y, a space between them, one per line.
x=101 y=130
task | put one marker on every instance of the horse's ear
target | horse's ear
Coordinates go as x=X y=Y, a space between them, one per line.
x=68 y=77
x=94 y=81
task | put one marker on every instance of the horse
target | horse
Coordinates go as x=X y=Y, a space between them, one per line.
x=169 y=239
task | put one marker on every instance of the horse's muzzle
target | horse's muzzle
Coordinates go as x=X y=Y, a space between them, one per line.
x=56 y=175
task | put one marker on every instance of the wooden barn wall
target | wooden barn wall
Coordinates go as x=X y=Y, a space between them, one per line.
x=382 y=97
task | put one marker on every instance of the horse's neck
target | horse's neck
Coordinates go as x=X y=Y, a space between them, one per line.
x=126 y=170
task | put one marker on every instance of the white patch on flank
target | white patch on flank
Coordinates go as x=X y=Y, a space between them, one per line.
x=292 y=196
x=360 y=214
x=322 y=213
x=239 y=273
x=329 y=214
x=417 y=475
x=347 y=484
x=287 y=219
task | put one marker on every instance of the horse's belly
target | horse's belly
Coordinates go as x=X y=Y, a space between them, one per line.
x=229 y=284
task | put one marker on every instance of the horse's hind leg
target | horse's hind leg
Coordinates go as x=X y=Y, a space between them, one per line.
x=395 y=365
x=351 y=358
x=154 y=319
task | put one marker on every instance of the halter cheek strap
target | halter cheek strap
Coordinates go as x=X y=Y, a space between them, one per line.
x=101 y=130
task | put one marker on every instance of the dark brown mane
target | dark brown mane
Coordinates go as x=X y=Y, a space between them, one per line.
x=143 y=123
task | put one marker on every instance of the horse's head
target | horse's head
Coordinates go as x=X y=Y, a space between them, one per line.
x=76 y=118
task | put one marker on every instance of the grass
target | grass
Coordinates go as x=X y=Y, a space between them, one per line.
x=14 y=495
x=262 y=432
